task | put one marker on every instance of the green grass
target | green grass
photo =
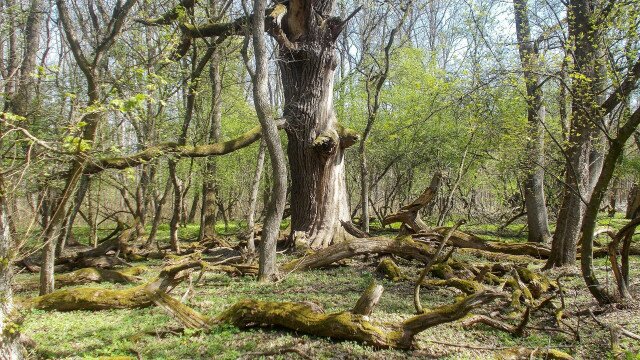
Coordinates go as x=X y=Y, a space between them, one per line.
x=90 y=335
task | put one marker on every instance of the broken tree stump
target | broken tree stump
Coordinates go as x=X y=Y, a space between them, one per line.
x=409 y=214
x=368 y=300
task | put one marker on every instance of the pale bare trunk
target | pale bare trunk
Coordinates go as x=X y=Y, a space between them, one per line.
x=253 y=202
x=537 y=217
x=267 y=262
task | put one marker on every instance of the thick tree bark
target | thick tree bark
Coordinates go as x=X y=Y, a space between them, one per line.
x=537 y=217
x=316 y=147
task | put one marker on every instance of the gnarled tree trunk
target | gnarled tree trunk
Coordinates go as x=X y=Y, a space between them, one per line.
x=316 y=152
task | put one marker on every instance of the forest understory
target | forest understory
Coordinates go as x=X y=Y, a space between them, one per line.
x=319 y=179
x=150 y=332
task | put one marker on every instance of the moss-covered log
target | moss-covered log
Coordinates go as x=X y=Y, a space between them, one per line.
x=96 y=275
x=345 y=325
x=88 y=298
x=466 y=286
x=388 y=268
x=176 y=150
x=92 y=298
x=308 y=318
x=464 y=240
x=404 y=247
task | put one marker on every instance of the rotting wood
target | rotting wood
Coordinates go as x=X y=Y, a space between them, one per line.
x=404 y=247
x=368 y=300
x=409 y=214
x=91 y=298
x=389 y=269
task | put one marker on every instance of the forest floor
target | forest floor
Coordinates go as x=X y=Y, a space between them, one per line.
x=150 y=333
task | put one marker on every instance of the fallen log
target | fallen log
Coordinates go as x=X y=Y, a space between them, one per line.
x=463 y=240
x=353 y=230
x=473 y=242
x=311 y=319
x=466 y=286
x=434 y=260
x=97 y=275
x=90 y=298
x=518 y=353
x=404 y=247
x=345 y=325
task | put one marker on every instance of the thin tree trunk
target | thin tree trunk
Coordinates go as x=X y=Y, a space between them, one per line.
x=67 y=231
x=267 y=262
x=194 y=208
x=537 y=218
x=91 y=72
x=253 y=202
x=633 y=201
x=10 y=348
x=209 y=185
x=157 y=217
x=175 y=214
